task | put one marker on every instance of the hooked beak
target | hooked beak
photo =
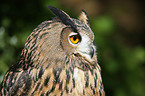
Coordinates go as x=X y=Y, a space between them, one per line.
x=91 y=53
x=87 y=52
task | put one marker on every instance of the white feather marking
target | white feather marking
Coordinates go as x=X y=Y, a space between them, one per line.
x=79 y=80
x=84 y=47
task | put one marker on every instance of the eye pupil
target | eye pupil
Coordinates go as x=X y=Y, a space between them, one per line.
x=74 y=38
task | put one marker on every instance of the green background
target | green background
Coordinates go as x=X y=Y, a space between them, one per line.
x=119 y=27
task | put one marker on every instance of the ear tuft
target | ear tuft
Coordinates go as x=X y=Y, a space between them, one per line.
x=84 y=17
x=65 y=18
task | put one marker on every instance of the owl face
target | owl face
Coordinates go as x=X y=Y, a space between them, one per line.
x=76 y=38
x=79 y=43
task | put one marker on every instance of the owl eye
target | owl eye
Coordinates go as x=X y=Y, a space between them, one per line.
x=75 y=39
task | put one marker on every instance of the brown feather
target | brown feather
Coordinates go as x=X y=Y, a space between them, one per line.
x=49 y=65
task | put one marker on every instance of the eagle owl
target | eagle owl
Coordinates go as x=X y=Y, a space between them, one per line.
x=58 y=59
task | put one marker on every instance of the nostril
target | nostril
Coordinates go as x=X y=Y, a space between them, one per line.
x=92 y=52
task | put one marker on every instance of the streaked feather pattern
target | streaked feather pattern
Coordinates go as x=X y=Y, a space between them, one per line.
x=46 y=69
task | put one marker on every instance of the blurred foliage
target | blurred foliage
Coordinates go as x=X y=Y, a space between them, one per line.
x=119 y=29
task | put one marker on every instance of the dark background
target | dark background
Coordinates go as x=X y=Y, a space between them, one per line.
x=119 y=27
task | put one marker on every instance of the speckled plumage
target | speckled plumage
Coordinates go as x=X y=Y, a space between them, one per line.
x=50 y=66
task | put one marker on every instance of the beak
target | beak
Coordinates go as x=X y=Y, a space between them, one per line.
x=91 y=52
x=87 y=52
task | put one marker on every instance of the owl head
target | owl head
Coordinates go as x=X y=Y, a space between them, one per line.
x=62 y=37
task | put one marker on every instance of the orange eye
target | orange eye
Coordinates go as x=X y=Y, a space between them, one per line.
x=75 y=39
